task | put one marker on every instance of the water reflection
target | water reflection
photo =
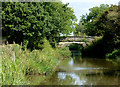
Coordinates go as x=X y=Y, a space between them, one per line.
x=71 y=62
x=76 y=79
x=79 y=68
x=86 y=71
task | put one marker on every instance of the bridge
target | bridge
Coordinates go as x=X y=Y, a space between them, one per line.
x=84 y=41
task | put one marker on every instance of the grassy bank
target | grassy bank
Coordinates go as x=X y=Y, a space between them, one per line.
x=16 y=63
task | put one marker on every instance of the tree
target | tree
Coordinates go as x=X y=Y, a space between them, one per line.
x=30 y=22
x=79 y=29
x=88 y=19
x=108 y=24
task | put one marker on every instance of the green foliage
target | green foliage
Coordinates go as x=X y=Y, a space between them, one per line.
x=75 y=47
x=64 y=52
x=114 y=54
x=95 y=49
x=16 y=63
x=88 y=19
x=33 y=21
x=79 y=29
x=13 y=65
x=108 y=24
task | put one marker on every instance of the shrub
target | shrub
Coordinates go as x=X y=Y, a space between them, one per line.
x=64 y=52
x=95 y=49
x=114 y=54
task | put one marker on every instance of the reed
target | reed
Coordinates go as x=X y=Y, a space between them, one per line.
x=16 y=63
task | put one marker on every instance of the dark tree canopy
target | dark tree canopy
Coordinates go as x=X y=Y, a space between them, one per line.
x=108 y=24
x=30 y=22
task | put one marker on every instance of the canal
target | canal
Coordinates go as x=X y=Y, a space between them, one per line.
x=81 y=71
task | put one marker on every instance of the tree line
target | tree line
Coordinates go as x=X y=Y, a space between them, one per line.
x=103 y=20
x=31 y=22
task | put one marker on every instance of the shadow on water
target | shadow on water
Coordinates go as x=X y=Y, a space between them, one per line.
x=82 y=71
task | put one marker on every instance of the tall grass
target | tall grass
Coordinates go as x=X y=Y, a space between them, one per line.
x=16 y=63
x=13 y=65
x=0 y=67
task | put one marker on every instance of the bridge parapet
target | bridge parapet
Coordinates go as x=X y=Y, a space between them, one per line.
x=79 y=39
x=84 y=41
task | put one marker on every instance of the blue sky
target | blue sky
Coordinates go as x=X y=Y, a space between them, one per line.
x=82 y=6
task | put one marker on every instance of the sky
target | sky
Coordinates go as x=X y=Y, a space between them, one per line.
x=82 y=6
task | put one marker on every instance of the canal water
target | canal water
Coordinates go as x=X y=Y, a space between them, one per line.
x=81 y=71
